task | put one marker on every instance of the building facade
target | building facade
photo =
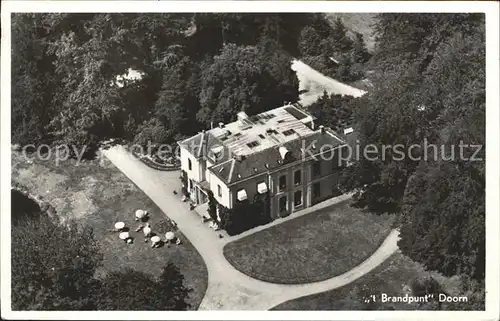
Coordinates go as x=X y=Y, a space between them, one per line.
x=280 y=152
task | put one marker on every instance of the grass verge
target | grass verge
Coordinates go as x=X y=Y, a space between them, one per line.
x=392 y=277
x=310 y=248
x=96 y=193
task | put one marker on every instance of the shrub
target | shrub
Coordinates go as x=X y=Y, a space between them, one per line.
x=246 y=215
x=134 y=290
x=421 y=286
x=184 y=181
x=53 y=265
x=212 y=206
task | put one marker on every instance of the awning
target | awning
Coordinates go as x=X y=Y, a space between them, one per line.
x=283 y=151
x=262 y=187
x=242 y=195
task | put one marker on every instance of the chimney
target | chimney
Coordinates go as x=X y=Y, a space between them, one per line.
x=322 y=129
x=239 y=157
x=203 y=144
x=221 y=125
x=242 y=116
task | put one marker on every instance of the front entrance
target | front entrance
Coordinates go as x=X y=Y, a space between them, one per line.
x=203 y=197
x=199 y=195
x=283 y=206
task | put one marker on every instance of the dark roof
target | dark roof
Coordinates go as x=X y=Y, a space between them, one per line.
x=295 y=112
x=202 y=144
x=234 y=170
x=351 y=140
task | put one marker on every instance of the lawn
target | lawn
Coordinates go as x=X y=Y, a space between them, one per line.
x=98 y=194
x=310 y=248
x=391 y=277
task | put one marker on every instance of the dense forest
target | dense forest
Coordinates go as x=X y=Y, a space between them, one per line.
x=54 y=268
x=198 y=70
x=427 y=71
x=429 y=85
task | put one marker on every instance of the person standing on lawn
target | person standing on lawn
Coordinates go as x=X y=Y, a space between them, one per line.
x=147 y=232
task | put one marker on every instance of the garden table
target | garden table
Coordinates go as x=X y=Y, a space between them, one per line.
x=119 y=225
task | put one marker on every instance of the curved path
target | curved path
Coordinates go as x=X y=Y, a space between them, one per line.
x=317 y=83
x=228 y=289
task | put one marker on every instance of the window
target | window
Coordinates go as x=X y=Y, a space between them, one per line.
x=282 y=183
x=289 y=132
x=297 y=177
x=253 y=144
x=219 y=191
x=297 y=198
x=262 y=136
x=336 y=161
x=190 y=165
x=316 y=169
x=316 y=190
x=283 y=204
x=190 y=185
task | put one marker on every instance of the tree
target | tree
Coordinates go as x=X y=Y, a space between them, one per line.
x=134 y=290
x=32 y=83
x=88 y=99
x=340 y=40
x=172 y=288
x=154 y=131
x=283 y=78
x=240 y=80
x=474 y=291
x=409 y=38
x=453 y=187
x=393 y=113
x=429 y=89
x=177 y=101
x=212 y=206
x=360 y=52
x=333 y=111
x=53 y=265
x=309 y=42
x=64 y=89
x=449 y=223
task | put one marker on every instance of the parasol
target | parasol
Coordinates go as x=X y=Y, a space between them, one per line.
x=170 y=236
x=140 y=213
